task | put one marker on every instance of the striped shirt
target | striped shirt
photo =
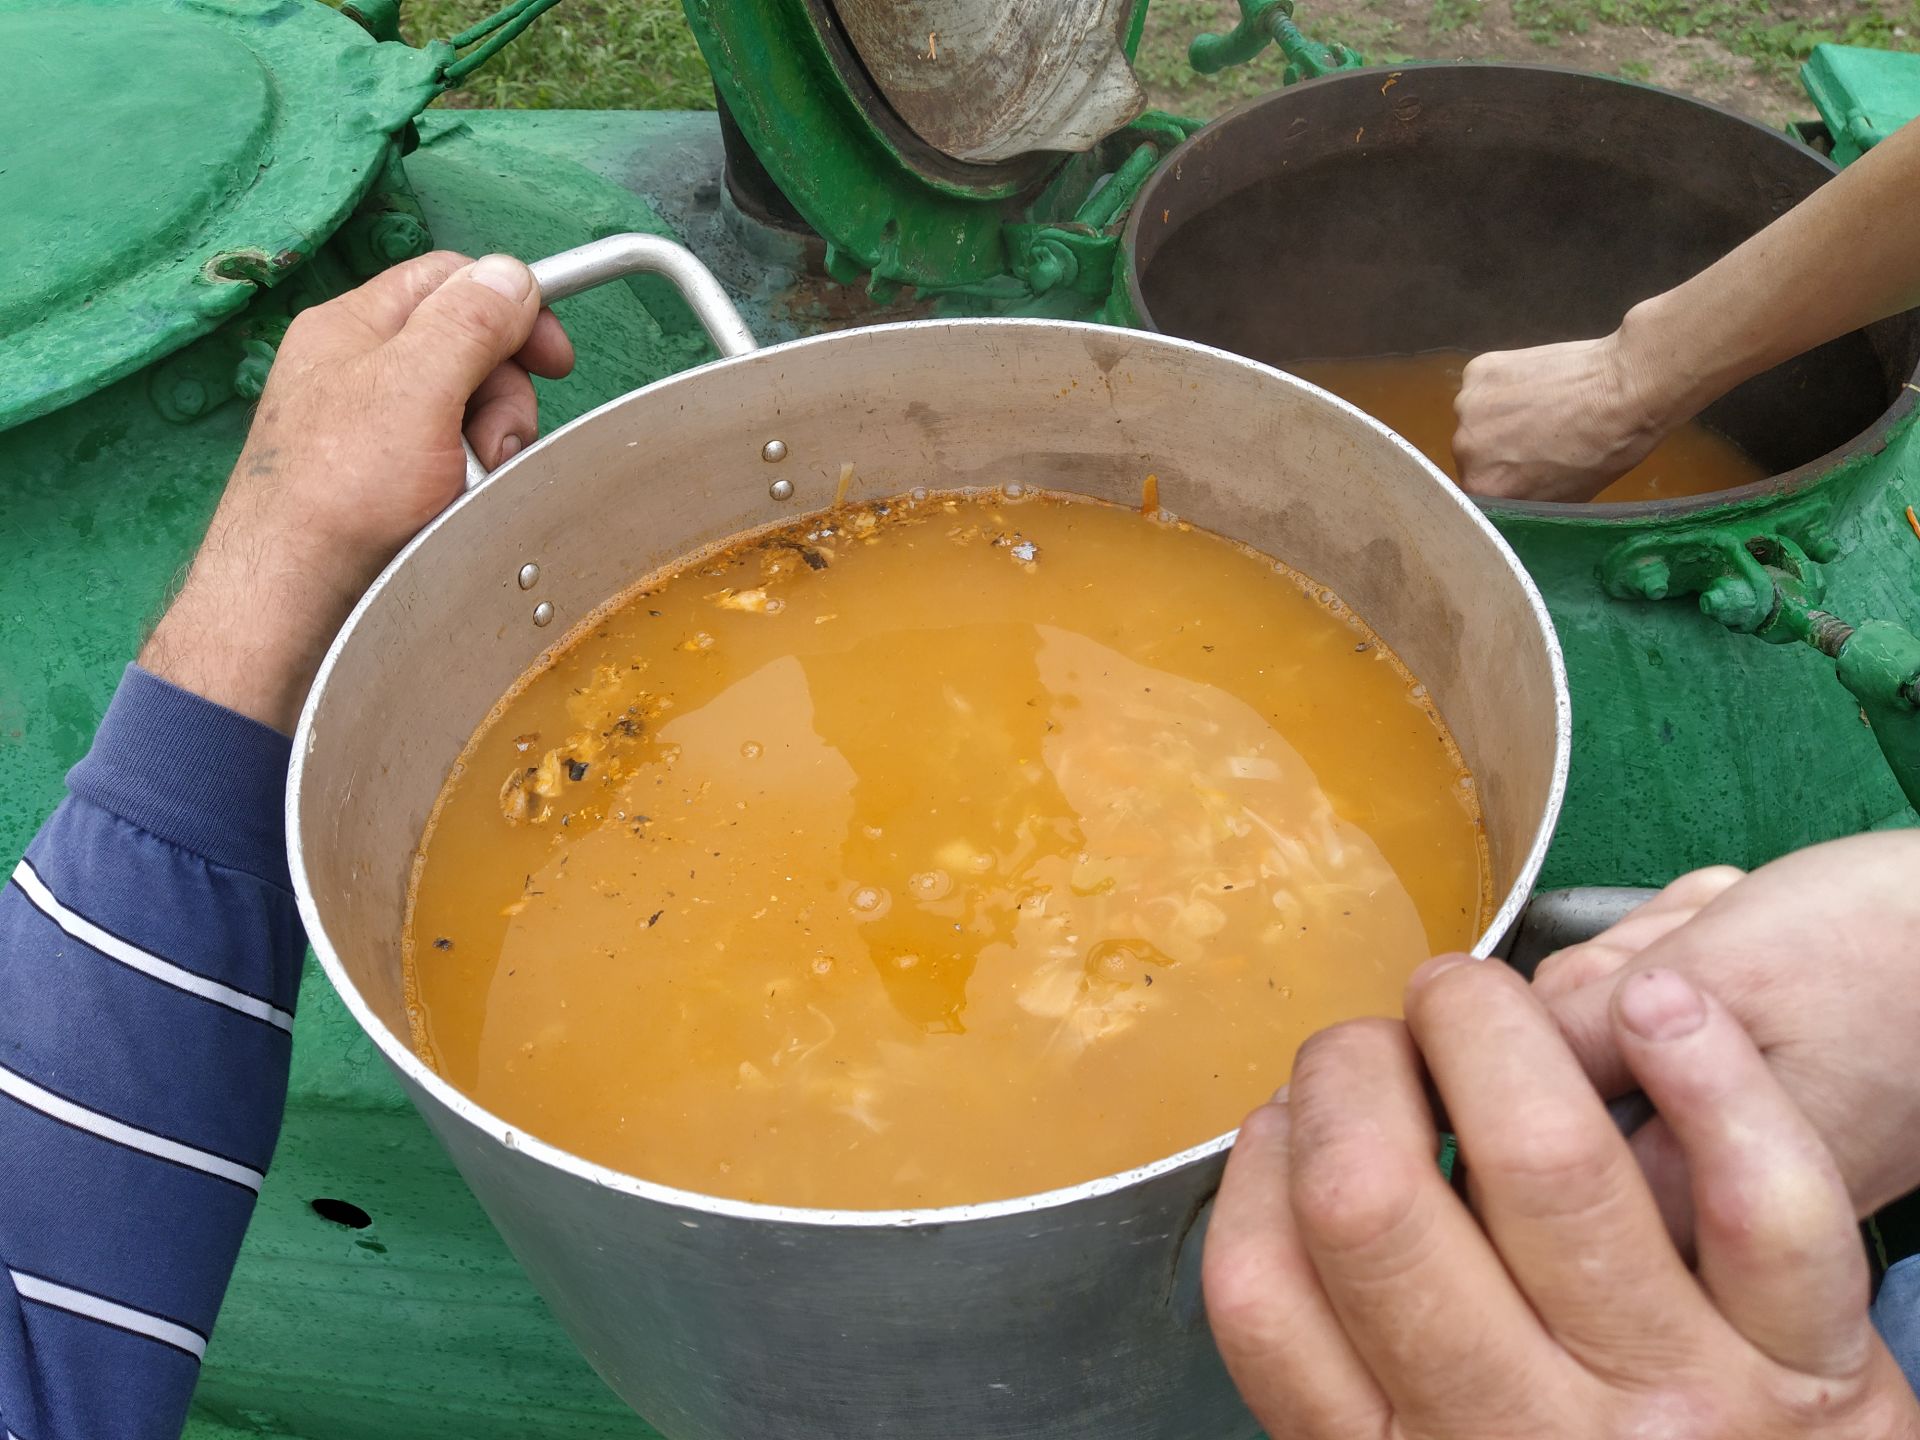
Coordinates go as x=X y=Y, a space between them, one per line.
x=149 y=955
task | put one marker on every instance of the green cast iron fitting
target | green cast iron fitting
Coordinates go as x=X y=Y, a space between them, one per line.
x=1264 y=22
x=1765 y=586
x=1072 y=257
x=1078 y=254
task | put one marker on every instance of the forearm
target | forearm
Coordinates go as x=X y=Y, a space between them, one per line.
x=149 y=955
x=1845 y=257
x=255 y=616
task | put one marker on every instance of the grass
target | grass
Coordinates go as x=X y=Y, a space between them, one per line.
x=582 y=55
x=1448 y=16
x=1172 y=24
x=1162 y=61
x=639 y=54
x=1775 y=34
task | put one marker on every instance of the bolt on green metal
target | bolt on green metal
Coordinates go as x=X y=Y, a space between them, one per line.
x=1264 y=22
x=1764 y=585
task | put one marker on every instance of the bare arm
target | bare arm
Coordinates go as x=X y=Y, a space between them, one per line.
x=1559 y=422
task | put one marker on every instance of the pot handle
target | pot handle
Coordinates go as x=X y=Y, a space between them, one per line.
x=1553 y=920
x=619 y=256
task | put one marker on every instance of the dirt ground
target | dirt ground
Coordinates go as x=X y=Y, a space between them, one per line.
x=1740 y=53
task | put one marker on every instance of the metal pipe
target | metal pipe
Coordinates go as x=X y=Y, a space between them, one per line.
x=1555 y=919
x=617 y=257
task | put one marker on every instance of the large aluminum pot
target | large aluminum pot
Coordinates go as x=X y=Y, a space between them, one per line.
x=1069 y=1314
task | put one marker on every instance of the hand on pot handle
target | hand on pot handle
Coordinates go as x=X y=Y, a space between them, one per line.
x=1352 y=1292
x=355 y=446
x=1817 y=955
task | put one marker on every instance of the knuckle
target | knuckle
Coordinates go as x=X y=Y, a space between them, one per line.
x=1812 y=1404
x=1335 y=1060
x=1547 y=1162
x=1349 y=1041
x=1238 y=1299
x=1697 y=887
x=307 y=330
x=473 y=315
x=1789 y=1220
x=429 y=272
x=1573 y=967
x=1264 y=1128
x=1352 y=1197
x=1457 y=994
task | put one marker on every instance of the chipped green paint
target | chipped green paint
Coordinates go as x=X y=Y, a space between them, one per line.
x=161 y=215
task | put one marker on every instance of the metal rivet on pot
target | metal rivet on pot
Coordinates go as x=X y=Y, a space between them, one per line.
x=781 y=490
x=529 y=573
x=774 y=451
x=543 y=613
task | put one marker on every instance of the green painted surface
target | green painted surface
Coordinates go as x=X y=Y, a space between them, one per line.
x=1694 y=745
x=420 y=1324
x=1880 y=666
x=161 y=215
x=1864 y=95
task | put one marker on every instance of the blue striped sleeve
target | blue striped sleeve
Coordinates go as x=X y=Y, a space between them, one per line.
x=149 y=956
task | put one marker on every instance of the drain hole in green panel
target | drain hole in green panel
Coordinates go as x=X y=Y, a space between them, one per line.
x=342 y=1212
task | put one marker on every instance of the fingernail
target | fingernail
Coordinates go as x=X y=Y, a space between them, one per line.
x=1439 y=965
x=1280 y=1095
x=509 y=447
x=1659 y=1005
x=503 y=275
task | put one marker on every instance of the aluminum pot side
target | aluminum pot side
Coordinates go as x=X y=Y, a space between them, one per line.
x=1068 y=1314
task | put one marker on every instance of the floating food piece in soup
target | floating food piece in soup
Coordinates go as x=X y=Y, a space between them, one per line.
x=1035 y=864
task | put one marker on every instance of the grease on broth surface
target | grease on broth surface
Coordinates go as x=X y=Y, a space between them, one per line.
x=935 y=852
x=1414 y=394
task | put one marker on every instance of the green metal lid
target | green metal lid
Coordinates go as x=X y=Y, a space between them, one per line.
x=165 y=161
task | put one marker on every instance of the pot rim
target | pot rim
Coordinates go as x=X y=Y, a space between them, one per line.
x=417 y=1073
x=1869 y=442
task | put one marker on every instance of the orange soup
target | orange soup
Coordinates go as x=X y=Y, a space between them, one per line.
x=931 y=852
x=1414 y=395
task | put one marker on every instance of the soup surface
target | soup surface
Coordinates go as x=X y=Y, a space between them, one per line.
x=1414 y=394
x=934 y=852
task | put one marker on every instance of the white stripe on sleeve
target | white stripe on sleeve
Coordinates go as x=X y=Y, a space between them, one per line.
x=109 y=1312
x=60 y=1108
x=167 y=973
